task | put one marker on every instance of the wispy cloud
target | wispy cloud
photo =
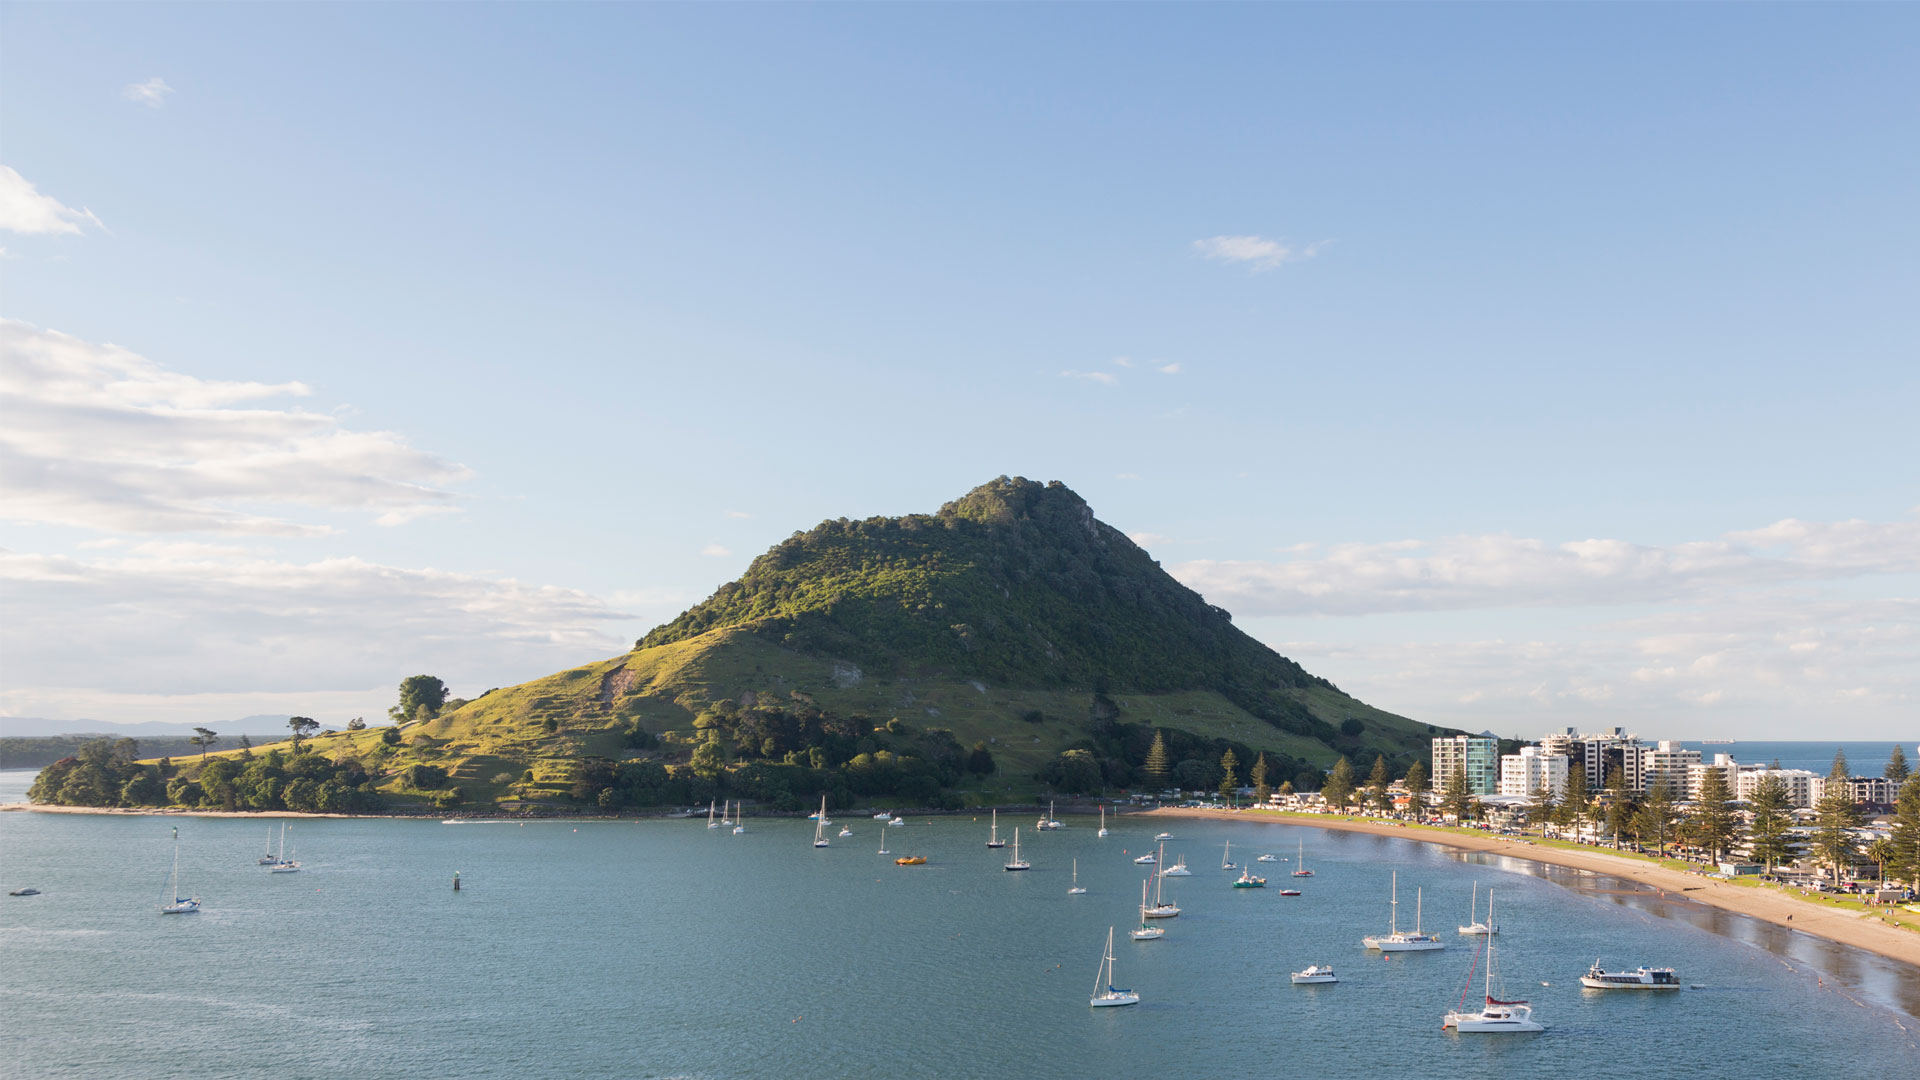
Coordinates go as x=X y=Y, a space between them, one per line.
x=152 y=93
x=715 y=551
x=99 y=437
x=740 y=515
x=1123 y=361
x=1257 y=252
x=1104 y=378
x=24 y=210
x=1171 y=369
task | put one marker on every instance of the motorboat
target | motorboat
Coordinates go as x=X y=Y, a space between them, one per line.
x=1147 y=860
x=1640 y=978
x=1248 y=880
x=1178 y=869
x=911 y=860
x=1289 y=892
x=1314 y=973
x=24 y=892
x=1267 y=858
x=1163 y=836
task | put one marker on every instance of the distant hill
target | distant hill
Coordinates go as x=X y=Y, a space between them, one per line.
x=860 y=653
x=254 y=726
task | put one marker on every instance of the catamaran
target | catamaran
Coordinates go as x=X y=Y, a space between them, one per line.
x=1111 y=995
x=1103 y=820
x=179 y=905
x=283 y=864
x=1149 y=859
x=993 y=832
x=1160 y=909
x=1048 y=822
x=1495 y=1016
x=1474 y=925
x=1395 y=941
x=1075 y=889
x=1147 y=931
x=1300 y=862
x=1018 y=863
x=820 y=825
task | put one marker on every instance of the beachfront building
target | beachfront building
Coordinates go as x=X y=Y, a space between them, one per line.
x=1876 y=790
x=1697 y=775
x=1600 y=755
x=1666 y=764
x=1801 y=784
x=1534 y=769
x=1477 y=755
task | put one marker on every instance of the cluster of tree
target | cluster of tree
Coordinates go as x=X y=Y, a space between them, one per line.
x=39 y=751
x=106 y=772
x=1115 y=754
x=1015 y=583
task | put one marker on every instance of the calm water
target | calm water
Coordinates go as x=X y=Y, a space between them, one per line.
x=664 y=949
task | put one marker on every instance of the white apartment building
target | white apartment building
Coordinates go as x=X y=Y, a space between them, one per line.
x=1863 y=789
x=1697 y=775
x=1478 y=755
x=1666 y=763
x=1600 y=753
x=1801 y=784
x=1533 y=769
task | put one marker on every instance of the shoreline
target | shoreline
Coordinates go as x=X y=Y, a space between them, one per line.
x=1768 y=905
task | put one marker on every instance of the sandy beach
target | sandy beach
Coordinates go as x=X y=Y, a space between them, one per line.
x=1772 y=905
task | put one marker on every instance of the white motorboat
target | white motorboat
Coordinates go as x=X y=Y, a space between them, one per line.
x=1017 y=863
x=1178 y=869
x=1314 y=973
x=1075 y=889
x=1395 y=941
x=1103 y=821
x=820 y=824
x=1104 y=992
x=844 y=831
x=1146 y=931
x=1641 y=978
x=1163 y=836
x=897 y=822
x=1267 y=858
x=1495 y=1016
x=1161 y=909
x=1147 y=860
x=993 y=832
x=1474 y=925
x=175 y=904
x=884 y=815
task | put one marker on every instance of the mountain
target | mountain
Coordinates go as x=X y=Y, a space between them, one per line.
x=1012 y=620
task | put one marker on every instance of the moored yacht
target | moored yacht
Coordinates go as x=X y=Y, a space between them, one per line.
x=1314 y=973
x=1641 y=978
x=1496 y=1017
x=1396 y=941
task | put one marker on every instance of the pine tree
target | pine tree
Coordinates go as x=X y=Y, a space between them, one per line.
x=1897 y=768
x=1835 y=816
x=1712 y=825
x=1620 y=804
x=1339 y=789
x=1156 y=765
x=1574 y=807
x=1458 y=797
x=1655 y=818
x=1541 y=809
x=1377 y=783
x=1770 y=837
x=1905 y=863
x=1416 y=785
x=1228 y=781
x=1261 y=792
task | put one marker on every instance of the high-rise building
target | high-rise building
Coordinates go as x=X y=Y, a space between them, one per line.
x=1801 y=784
x=1697 y=775
x=1667 y=763
x=1477 y=755
x=1534 y=769
x=1600 y=755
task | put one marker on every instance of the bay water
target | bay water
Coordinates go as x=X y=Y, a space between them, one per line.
x=661 y=948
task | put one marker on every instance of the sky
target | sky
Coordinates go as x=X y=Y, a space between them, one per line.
x=1514 y=367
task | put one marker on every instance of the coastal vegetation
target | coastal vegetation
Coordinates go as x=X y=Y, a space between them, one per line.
x=109 y=773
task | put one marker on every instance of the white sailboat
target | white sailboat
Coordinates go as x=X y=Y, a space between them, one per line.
x=1495 y=1016
x=1395 y=941
x=1160 y=909
x=844 y=831
x=883 y=839
x=993 y=832
x=1103 y=820
x=283 y=864
x=724 y=819
x=1178 y=869
x=739 y=813
x=1018 y=863
x=1226 y=860
x=820 y=825
x=1474 y=925
x=1146 y=931
x=884 y=815
x=1104 y=992
x=1075 y=889
x=267 y=859
x=1300 y=862
x=175 y=904
x=711 y=823
x=1048 y=821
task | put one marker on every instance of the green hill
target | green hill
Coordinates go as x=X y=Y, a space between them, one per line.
x=877 y=657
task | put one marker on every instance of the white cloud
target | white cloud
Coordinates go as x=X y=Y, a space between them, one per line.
x=24 y=210
x=1104 y=378
x=1171 y=369
x=163 y=619
x=151 y=93
x=1122 y=361
x=100 y=437
x=740 y=515
x=1257 y=252
x=1148 y=539
x=715 y=551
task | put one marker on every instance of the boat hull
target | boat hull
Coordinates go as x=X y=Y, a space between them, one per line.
x=1164 y=911
x=1596 y=984
x=1312 y=980
x=1122 y=997
x=1503 y=1022
x=1389 y=945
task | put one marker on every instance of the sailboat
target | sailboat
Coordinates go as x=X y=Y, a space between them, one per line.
x=993 y=832
x=844 y=831
x=1226 y=863
x=1178 y=869
x=883 y=839
x=1018 y=863
x=712 y=824
x=1160 y=909
x=283 y=864
x=1111 y=995
x=1474 y=925
x=1495 y=1016
x=740 y=813
x=1147 y=931
x=1076 y=890
x=1395 y=941
x=1103 y=821
x=1048 y=821
x=267 y=859
x=177 y=904
x=820 y=825
x=1300 y=862
x=724 y=820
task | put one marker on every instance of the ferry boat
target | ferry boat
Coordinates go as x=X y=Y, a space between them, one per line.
x=1642 y=978
x=1314 y=973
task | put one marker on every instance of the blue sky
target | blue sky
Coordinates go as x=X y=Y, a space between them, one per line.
x=1514 y=367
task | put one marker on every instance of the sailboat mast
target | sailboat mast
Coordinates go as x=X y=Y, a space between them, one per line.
x=1487 y=991
x=1393 y=906
x=176 y=866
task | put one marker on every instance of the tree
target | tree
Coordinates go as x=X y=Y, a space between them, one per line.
x=1157 y=764
x=1457 y=799
x=1897 y=768
x=1543 y=806
x=1377 y=782
x=416 y=691
x=358 y=723
x=1261 y=792
x=1416 y=784
x=1339 y=787
x=302 y=727
x=1770 y=834
x=1835 y=818
x=203 y=739
x=1228 y=782
x=1286 y=787
x=246 y=742
x=1655 y=818
x=1620 y=804
x=1905 y=863
x=1712 y=825
x=1577 y=804
x=1881 y=852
